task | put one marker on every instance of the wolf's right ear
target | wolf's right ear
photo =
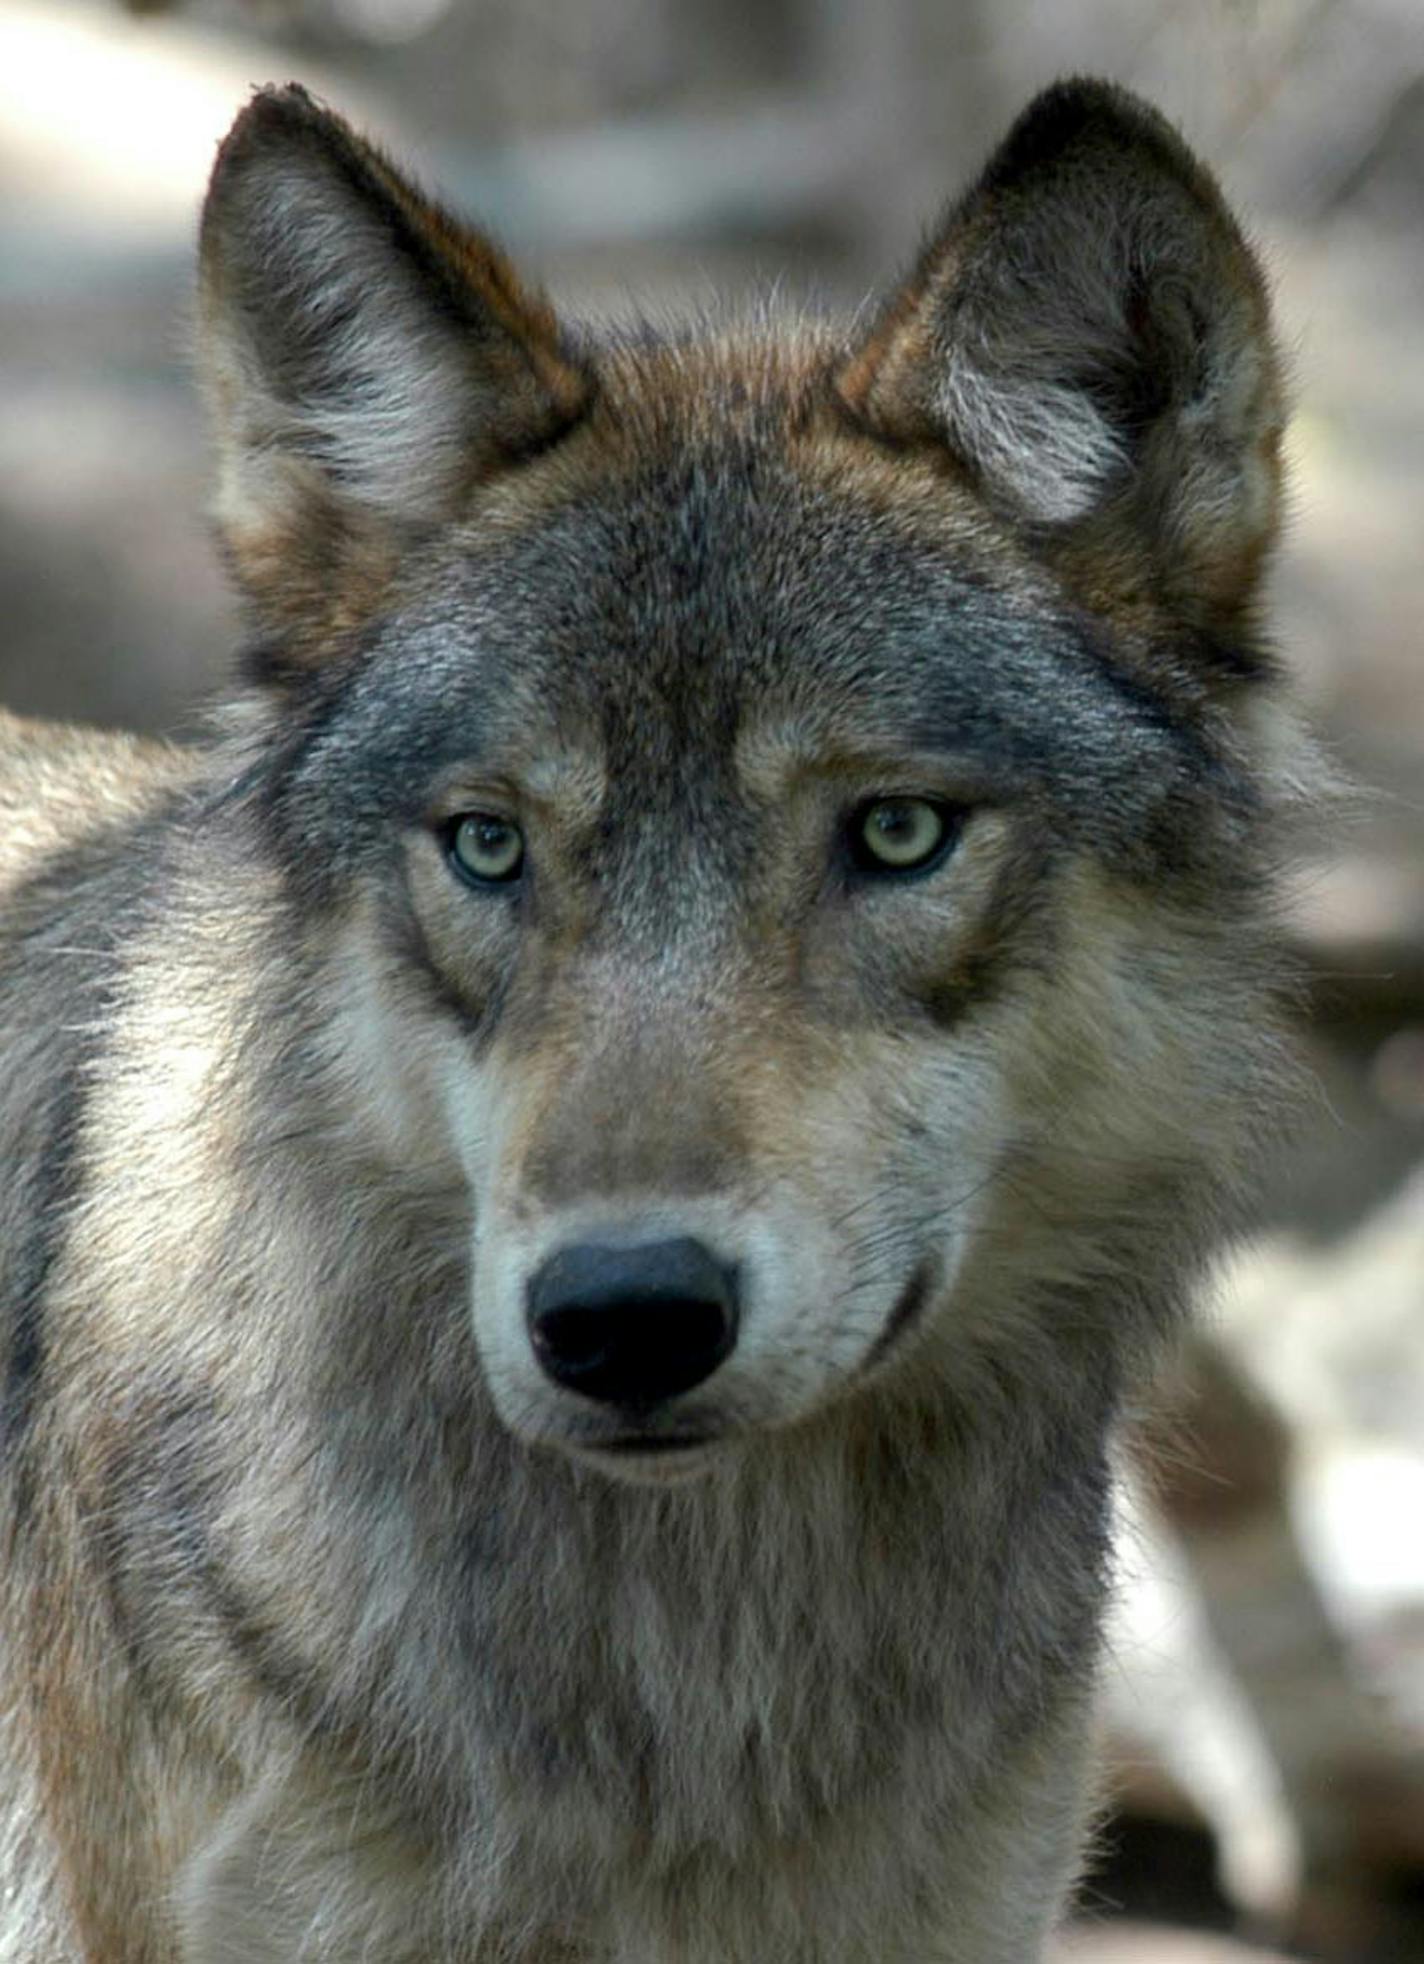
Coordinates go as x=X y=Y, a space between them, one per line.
x=368 y=358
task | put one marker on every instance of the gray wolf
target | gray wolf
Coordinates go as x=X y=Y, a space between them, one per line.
x=587 y=1180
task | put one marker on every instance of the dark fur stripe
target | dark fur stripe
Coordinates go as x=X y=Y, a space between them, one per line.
x=52 y=1183
x=266 y=1658
x=408 y=941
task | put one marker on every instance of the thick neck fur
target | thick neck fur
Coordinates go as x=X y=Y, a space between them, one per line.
x=583 y=1688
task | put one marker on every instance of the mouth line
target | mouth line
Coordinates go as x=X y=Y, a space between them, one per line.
x=628 y=1443
x=906 y=1313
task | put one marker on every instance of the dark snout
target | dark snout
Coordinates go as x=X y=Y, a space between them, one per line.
x=634 y=1326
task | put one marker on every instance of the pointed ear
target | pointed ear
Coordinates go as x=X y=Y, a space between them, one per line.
x=368 y=359
x=1089 y=335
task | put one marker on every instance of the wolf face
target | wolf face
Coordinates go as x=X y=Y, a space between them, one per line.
x=793 y=801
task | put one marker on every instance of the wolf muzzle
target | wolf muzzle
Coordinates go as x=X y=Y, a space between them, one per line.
x=633 y=1326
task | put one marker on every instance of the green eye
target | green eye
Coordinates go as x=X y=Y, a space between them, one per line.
x=486 y=850
x=899 y=835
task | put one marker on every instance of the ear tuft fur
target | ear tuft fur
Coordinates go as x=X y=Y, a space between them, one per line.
x=1088 y=333
x=368 y=357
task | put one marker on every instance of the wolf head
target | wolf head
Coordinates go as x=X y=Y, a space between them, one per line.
x=778 y=818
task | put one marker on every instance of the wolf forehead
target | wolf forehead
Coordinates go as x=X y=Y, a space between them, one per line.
x=712 y=560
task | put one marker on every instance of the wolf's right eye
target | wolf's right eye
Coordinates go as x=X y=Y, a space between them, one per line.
x=485 y=850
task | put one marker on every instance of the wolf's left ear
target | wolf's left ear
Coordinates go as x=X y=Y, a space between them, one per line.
x=1089 y=334
x=368 y=357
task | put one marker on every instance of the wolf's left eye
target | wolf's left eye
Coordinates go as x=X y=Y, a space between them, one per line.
x=485 y=850
x=900 y=835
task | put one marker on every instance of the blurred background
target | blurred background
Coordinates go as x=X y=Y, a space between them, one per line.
x=1265 y=1697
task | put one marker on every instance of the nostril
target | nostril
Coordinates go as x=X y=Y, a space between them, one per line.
x=577 y=1339
x=632 y=1326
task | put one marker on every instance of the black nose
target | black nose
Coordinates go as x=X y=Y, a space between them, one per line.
x=632 y=1326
